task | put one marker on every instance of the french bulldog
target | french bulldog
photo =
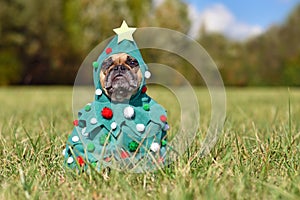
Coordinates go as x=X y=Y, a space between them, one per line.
x=120 y=77
x=122 y=127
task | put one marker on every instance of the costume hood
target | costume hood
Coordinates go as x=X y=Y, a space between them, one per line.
x=114 y=47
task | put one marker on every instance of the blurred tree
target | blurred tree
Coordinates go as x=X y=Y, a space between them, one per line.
x=44 y=43
x=99 y=17
x=227 y=55
x=10 y=68
x=268 y=59
x=35 y=31
x=48 y=41
x=291 y=72
x=173 y=14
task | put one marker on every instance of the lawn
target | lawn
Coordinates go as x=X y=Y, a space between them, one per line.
x=256 y=157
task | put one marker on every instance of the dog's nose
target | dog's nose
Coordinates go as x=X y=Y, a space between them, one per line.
x=119 y=68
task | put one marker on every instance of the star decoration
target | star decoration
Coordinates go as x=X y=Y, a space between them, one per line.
x=124 y=32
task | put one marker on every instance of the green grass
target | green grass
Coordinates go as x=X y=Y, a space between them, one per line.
x=257 y=156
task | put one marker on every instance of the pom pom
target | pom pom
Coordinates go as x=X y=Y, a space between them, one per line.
x=98 y=92
x=80 y=161
x=107 y=113
x=104 y=139
x=166 y=127
x=113 y=125
x=140 y=127
x=90 y=147
x=155 y=147
x=76 y=122
x=128 y=112
x=161 y=160
x=163 y=143
x=133 y=145
x=88 y=107
x=107 y=159
x=64 y=152
x=163 y=118
x=108 y=50
x=147 y=74
x=146 y=107
x=124 y=154
x=75 y=138
x=95 y=64
x=93 y=121
x=70 y=160
x=144 y=89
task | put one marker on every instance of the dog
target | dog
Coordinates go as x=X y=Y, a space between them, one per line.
x=120 y=77
x=123 y=127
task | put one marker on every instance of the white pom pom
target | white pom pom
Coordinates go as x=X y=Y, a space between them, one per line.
x=98 y=92
x=113 y=125
x=128 y=112
x=140 y=127
x=75 y=138
x=64 y=152
x=147 y=74
x=93 y=121
x=70 y=160
x=155 y=147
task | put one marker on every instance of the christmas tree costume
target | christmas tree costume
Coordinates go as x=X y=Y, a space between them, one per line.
x=131 y=135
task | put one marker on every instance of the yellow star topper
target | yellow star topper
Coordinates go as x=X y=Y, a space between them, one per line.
x=124 y=32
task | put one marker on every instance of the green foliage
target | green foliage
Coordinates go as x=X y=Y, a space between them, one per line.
x=173 y=14
x=268 y=59
x=47 y=42
x=10 y=68
x=291 y=71
x=257 y=156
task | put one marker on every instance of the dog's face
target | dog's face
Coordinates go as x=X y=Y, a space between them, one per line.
x=120 y=77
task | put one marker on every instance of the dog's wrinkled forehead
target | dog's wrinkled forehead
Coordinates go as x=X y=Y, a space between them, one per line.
x=119 y=59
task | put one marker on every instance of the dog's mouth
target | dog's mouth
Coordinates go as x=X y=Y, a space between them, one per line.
x=118 y=77
x=121 y=86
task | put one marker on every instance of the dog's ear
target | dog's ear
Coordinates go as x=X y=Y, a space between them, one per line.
x=107 y=63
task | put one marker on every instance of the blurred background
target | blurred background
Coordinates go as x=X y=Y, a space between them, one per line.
x=254 y=43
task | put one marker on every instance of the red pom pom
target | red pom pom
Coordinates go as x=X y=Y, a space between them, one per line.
x=108 y=50
x=161 y=160
x=107 y=159
x=163 y=118
x=107 y=113
x=80 y=161
x=75 y=122
x=124 y=154
x=144 y=89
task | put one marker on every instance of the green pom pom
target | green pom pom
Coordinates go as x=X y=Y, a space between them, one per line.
x=133 y=145
x=87 y=108
x=90 y=147
x=163 y=143
x=94 y=164
x=146 y=107
x=95 y=64
x=102 y=139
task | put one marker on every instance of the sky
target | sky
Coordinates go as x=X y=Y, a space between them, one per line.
x=238 y=19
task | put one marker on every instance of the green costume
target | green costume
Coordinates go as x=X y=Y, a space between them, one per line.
x=129 y=135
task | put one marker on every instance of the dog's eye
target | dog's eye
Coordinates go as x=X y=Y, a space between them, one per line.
x=107 y=63
x=132 y=62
